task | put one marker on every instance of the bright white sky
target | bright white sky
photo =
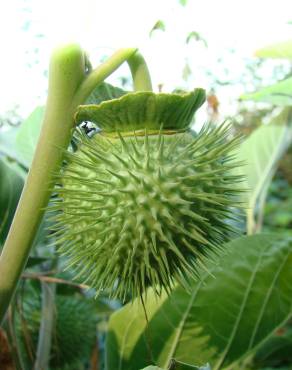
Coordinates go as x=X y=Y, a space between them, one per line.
x=101 y=26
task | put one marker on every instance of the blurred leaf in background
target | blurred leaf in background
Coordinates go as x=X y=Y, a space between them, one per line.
x=260 y=153
x=194 y=35
x=10 y=189
x=282 y=50
x=158 y=26
x=277 y=94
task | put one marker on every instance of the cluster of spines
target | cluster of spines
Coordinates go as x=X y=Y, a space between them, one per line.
x=73 y=333
x=127 y=257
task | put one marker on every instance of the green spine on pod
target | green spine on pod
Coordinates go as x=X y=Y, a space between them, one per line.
x=144 y=201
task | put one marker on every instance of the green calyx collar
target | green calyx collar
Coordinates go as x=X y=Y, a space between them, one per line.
x=143 y=110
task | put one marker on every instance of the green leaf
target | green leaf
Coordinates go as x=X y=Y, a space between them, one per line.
x=277 y=94
x=197 y=37
x=279 y=50
x=7 y=143
x=11 y=184
x=183 y=2
x=103 y=92
x=177 y=365
x=34 y=261
x=158 y=26
x=261 y=152
x=277 y=349
x=28 y=134
x=221 y=320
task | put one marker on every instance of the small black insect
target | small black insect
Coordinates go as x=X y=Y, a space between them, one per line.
x=89 y=128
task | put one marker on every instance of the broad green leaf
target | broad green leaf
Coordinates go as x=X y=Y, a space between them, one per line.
x=11 y=184
x=278 y=94
x=105 y=91
x=279 y=50
x=261 y=152
x=28 y=134
x=221 y=320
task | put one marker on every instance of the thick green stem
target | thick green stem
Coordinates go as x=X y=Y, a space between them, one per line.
x=67 y=71
x=68 y=87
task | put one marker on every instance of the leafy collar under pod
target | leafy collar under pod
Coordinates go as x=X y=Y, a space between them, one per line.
x=143 y=110
x=144 y=201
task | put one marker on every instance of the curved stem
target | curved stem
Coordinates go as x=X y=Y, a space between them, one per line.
x=68 y=87
x=140 y=73
x=99 y=74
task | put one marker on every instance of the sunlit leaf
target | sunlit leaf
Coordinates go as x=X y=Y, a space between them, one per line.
x=279 y=50
x=9 y=150
x=220 y=321
x=28 y=134
x=261 y=152
x=277 y=94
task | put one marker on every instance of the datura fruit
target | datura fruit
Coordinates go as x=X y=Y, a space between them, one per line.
x=145 y=200
x=74 y=330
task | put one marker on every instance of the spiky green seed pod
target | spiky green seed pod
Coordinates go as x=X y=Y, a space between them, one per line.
x=145 y=200
x=73 y=336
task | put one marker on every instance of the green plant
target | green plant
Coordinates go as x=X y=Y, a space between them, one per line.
x=73 y=336
x=144 y=202
x=70 y=84
x=141 y=208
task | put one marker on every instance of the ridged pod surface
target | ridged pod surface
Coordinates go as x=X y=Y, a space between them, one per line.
x=74 y=331
x=145 y=200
